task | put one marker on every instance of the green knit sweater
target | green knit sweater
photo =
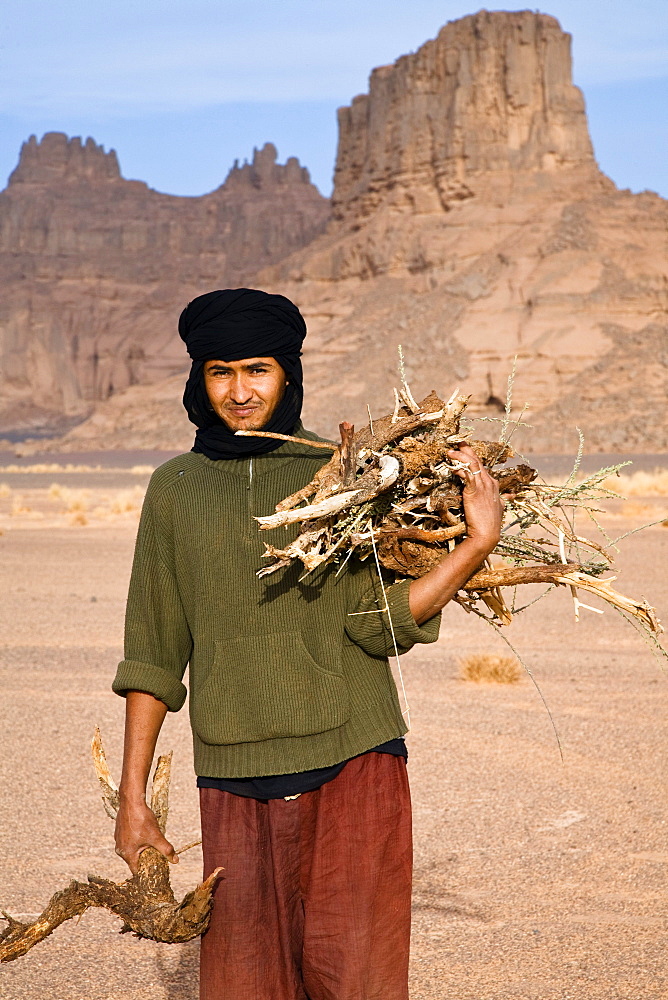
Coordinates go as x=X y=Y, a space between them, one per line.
x=286 y=675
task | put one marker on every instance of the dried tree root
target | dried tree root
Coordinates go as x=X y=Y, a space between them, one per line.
x=367 y=487
x=415 y=534
x=641 y=610
x=513 y=576
x=570 y=575
x=145 y=902
x=330 y=487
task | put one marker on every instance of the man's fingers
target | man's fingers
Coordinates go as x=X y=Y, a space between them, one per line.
x=130 y=859
x=468 y=467
x=464 y=453
x=170 y=853
x=164 y=848
x=466 y=463
x=162 y=845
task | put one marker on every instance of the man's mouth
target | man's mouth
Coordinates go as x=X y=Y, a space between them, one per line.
x=242 y=411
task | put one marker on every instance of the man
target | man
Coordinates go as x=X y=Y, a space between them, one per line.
x=296 y=723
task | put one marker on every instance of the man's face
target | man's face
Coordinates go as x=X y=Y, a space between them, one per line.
x=245 y=393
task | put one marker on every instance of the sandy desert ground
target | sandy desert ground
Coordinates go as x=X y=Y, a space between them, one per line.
x=534 y=879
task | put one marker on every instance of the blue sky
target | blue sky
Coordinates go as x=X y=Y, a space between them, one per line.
x=182 y=88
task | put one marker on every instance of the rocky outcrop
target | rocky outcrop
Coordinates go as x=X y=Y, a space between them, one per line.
x=473 y=226
x=96 y=268
x=56 y=159
x=490 y=97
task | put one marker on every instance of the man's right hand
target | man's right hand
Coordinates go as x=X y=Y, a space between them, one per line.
x=137 y=829
x=136 y=826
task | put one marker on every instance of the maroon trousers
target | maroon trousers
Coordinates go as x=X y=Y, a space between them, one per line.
x=314 y=902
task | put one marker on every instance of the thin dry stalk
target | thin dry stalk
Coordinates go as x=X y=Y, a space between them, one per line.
x=286 y=437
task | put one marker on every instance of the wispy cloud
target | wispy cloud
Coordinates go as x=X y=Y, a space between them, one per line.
x=127 y=58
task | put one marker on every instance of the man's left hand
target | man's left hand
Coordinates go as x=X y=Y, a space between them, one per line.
x=483 y=507
x=483 y=510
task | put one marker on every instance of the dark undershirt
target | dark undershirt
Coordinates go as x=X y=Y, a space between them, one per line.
x=278 y=786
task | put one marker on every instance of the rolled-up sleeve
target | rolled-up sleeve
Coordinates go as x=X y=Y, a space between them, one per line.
x=158 y=643
x=372 y=626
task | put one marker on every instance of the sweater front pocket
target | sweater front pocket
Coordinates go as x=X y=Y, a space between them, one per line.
x=266 y=687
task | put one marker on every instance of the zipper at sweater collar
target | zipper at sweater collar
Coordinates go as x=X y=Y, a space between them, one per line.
x=251 y=526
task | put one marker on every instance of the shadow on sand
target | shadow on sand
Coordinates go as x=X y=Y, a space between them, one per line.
x=178 y=969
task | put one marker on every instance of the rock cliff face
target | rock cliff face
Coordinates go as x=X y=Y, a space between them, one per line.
x=472 y=225
x=95 y=268
x=491 y=96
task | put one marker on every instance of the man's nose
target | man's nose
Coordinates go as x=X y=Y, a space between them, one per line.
x=241 y=391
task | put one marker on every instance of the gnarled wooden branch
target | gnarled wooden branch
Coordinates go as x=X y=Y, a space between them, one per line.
x=637 y=609
x=108 y=787
x=414 y=534
x=160 y=790
x=145 y=902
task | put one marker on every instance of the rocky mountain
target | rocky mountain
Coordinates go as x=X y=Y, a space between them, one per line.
x=472 y=225
x=96 y=268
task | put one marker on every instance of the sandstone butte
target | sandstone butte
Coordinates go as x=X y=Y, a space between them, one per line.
x=469 y=222
x=95 y=269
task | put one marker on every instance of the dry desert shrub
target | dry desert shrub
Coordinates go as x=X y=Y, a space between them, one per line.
x=5 y=491
x=120 y=503
x=639 y=484
x=42 y=467
x=19 y=507
x=635 y=509
x=126 y=501
x=489 y=668
x=76 y=503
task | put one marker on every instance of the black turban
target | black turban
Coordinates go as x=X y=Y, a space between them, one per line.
x=231 y=325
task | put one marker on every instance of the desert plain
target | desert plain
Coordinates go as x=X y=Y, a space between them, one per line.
x=536 y=878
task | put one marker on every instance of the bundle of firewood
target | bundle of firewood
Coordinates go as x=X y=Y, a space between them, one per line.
x=390 y=493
